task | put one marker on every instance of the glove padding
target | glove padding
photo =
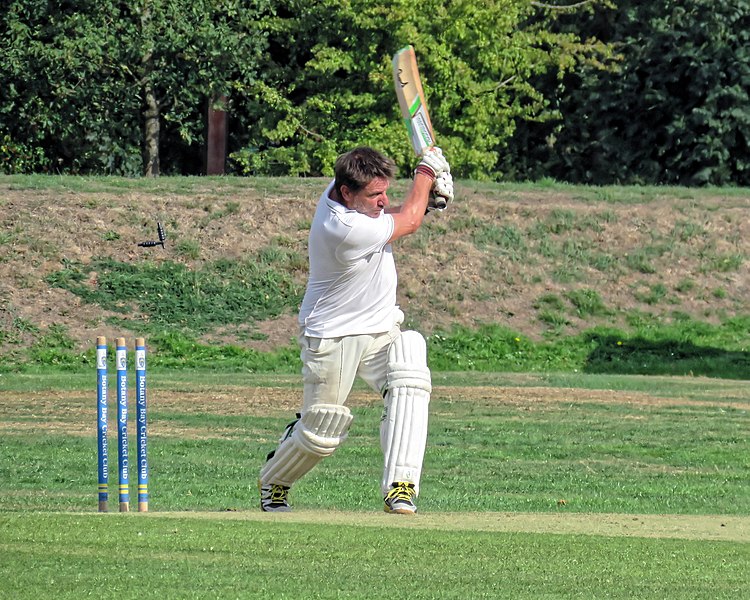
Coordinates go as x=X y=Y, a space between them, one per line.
x=442 y=193
x=432 y=158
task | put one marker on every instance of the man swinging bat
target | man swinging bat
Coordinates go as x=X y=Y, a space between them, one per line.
x=350 y=325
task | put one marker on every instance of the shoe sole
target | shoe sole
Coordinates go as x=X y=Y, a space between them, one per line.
x=400 y=511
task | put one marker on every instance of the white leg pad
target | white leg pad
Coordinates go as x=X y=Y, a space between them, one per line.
x=317 y=434
x=403 y=430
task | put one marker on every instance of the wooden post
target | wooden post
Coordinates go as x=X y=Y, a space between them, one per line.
x=216 y=136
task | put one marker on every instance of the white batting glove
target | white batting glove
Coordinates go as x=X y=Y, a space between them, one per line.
x=442 y=192
x=433 y=160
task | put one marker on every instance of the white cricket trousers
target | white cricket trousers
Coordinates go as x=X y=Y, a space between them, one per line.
x=330 y=365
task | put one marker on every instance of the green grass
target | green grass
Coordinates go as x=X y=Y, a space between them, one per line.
x=520 y=452
x=225 y=186
x=190 y=557
x=650 y=345
x=172 y=295
x=502 y=447
x=587 y=303
x=515 y=462
x=180 y=186
x=506 y=240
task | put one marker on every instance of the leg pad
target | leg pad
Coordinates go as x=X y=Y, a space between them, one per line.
x=316 y=435
x=403 y=430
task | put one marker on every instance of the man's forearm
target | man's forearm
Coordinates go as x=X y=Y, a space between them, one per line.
x=419 y=193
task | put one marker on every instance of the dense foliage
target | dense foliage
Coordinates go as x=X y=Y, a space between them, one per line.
x=111 y=87
x=122 y=86
x=333 y=88
x=675 y=110
x=518 y=89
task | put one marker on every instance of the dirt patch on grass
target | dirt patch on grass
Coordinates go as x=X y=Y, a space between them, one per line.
x=529 y=397
x=72 y=412
x=686 y=527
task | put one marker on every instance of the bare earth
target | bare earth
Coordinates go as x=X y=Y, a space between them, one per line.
x=687 y=527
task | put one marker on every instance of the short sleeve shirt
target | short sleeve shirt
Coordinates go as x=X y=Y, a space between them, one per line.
x=351 y=289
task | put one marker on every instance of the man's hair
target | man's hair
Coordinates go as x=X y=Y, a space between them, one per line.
x=358 y=167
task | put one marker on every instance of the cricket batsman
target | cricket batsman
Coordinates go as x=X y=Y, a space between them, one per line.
x=350 y=325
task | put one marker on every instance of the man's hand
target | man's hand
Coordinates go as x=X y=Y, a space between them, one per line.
x=442 y=192
x=433 y=163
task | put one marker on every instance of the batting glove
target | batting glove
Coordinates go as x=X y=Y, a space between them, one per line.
x=442 y=193
x=433 y=163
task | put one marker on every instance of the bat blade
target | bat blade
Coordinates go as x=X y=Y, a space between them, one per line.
x=411 y=99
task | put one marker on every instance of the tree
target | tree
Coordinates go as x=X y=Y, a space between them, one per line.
x=64 y=99
x=121 y=86
x=90 y=83
x=675 y=111
x=189 y=53
x=328 y=83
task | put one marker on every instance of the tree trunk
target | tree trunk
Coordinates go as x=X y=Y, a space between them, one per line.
x=151 y=110
x=151 y=132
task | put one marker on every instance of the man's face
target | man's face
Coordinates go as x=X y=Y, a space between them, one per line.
x=370 y=200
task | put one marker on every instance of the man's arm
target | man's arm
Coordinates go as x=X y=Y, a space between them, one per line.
x=408 y=217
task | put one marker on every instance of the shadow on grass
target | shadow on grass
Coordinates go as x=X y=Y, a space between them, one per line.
x=640 y=356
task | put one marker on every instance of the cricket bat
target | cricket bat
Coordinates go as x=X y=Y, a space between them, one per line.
x=411 y=99
x=413 y=105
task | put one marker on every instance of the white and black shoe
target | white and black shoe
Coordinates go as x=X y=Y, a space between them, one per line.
x=400 y=499
x=274 y=498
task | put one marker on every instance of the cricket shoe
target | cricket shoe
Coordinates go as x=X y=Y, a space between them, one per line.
x=400 y=499
x=274 y=498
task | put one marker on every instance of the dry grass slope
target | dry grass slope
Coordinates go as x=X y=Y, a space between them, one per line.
x=535 y=259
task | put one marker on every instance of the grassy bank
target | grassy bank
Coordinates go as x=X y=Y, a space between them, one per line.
x=543 y=277
x=686 y=347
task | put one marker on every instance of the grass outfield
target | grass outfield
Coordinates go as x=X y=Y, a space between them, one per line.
x=555 y=486
x=254 y=556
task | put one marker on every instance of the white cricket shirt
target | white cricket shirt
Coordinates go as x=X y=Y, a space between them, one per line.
x=351 y=288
